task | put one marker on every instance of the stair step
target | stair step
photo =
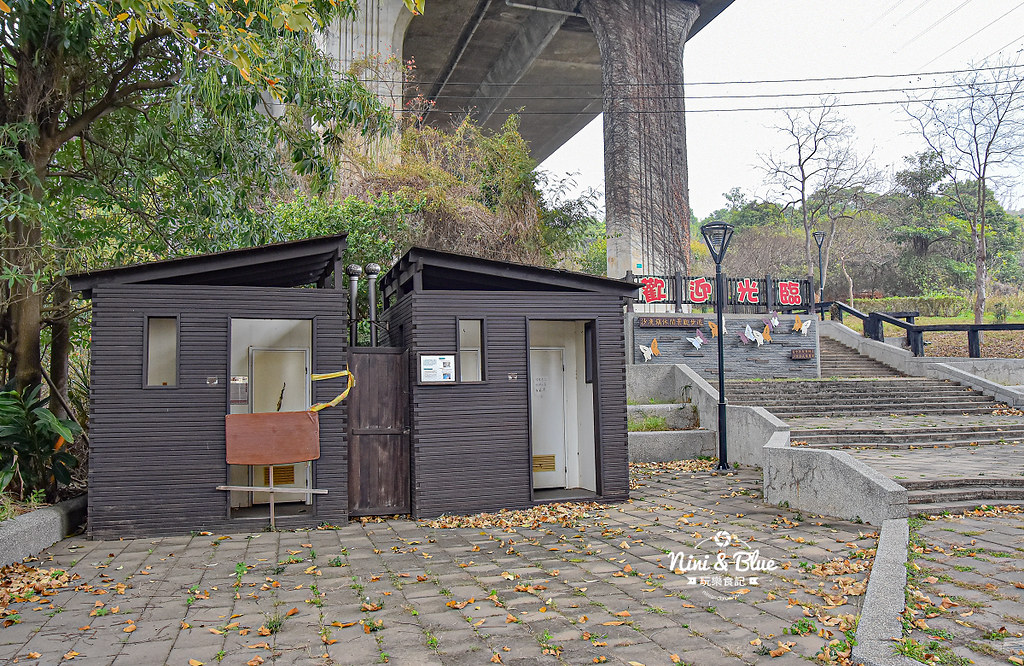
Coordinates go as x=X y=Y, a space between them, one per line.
x=932 y=484
x=937 y=431
x=939 y=508
x=812 y=412
x=900 y=446
x=980 y=494
x=918 y=437
x=855 y=401
x=880 y=406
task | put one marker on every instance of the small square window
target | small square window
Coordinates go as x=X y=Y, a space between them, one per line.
x=471 y=350
x=161 y=351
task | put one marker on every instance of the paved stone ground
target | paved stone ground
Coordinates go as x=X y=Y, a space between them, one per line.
x=967 y=581
x=524 y=595
x=966 y=462
x=943 y=462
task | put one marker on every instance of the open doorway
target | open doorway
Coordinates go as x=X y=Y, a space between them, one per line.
x=270 y=372
x=562 y=410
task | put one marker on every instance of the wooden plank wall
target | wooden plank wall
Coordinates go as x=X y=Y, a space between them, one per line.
x=157 y=454
x=471 y=441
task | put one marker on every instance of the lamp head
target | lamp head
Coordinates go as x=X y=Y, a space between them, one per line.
x=717 y=235
x=819 y=238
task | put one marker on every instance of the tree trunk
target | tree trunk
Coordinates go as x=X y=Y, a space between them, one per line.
x=60 y=346
x=849 y=286
x=26 y=304
x=980 y=260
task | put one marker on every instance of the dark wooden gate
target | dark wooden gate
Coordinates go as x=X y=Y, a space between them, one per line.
x=378 y=436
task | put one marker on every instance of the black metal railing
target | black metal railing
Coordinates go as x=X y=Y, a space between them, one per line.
x=874 y=328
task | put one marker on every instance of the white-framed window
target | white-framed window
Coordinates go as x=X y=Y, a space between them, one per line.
x=471 y=350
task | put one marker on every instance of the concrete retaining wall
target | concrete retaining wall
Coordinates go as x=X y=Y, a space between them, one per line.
x=749 y=430
x=1005 y=371
x=677 y=416
x=833 y=483
x=32 y=532
x=667 y=445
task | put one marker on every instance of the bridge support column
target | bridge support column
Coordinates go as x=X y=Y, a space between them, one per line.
x=646 y=191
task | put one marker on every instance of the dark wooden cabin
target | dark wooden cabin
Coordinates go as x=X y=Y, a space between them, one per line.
x=178 y=344
x=517 y=391
x=503 y=387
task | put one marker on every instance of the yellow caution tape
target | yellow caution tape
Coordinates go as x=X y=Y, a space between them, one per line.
x=344 y=394
x=329 y=375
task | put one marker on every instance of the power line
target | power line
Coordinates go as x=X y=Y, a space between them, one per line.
x=885 y=13
x=729 y=110
x=724 y=83
x=1004 y=46
x=933 y=25
x=973 y=34
x=740 y=96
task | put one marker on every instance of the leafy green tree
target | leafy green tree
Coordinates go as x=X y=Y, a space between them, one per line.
x=743 y=212
x=75 y=74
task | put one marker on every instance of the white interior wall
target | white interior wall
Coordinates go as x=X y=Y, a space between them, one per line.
x=580 y=443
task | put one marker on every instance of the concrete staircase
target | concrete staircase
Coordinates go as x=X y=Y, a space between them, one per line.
x=838 y=360
x=866 y=408
x=887 y=396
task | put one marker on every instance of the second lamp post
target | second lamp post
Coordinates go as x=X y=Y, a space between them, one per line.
x=819 y=238
x=717 y=235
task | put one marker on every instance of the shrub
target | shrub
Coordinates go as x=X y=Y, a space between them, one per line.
x=31 y=438
x=928 y=306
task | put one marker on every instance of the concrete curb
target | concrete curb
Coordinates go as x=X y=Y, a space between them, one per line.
x=30 y=533
x=880 y=615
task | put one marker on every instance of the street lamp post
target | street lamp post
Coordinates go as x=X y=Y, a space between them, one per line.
x=819 y=238
x=717 y=236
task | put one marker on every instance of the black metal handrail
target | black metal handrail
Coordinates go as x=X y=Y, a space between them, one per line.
x=848 y=309
x=874 y=324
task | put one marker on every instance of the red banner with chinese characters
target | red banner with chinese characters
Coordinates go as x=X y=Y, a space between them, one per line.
x=752 y=293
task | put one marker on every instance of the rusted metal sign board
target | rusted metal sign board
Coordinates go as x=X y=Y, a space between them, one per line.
x=272 y=438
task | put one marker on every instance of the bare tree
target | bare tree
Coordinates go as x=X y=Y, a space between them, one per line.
x=860 y=242
x=977 y=131
x=818 y=174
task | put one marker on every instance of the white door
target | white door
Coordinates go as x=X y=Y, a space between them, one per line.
x=547 y=417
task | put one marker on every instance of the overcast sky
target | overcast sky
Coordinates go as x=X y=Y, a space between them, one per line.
x=772 y=40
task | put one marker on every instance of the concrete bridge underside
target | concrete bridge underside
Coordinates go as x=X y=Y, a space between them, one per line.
x=559 y=63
